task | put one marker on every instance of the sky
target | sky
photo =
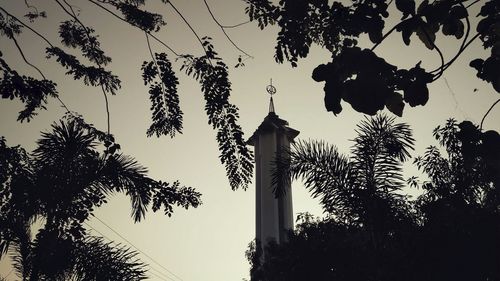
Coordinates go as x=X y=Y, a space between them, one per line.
x=209 y=242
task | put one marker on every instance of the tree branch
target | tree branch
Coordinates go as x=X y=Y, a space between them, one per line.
x=30 y=6
x=26 y=60
x=462 y=47
x=236 y=25
x=487 y=112
x=386 y=35
x=439 y=52
x=28 y=27
x=472 y=4
x=190 y=27
x=74 y=16
x=224 y=31
x=124 y=20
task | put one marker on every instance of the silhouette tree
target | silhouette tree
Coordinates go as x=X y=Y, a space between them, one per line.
x=461 y=206
x=362 y=189
x=90 y=65
x=361 y=195
x=449 y=233
x=59 y=186
x=357 y=75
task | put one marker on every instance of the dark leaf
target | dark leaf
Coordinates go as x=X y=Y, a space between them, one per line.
x=427 y=33
x=407 y=7
x=395 y=104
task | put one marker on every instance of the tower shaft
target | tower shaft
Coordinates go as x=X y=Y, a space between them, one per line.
x=274 y=214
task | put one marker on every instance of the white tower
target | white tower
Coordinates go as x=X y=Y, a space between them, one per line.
x=274 y=216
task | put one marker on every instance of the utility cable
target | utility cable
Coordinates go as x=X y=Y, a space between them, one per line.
x=125 y=239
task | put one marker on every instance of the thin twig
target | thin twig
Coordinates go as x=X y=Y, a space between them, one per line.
x=30 y=6
x=487 y=112
x=236 y=25
x=32 y=65
x=190 y=27
x=458 y=53
x=439 y=52
x=224 y=31
x=24 y=58
x=37 y=69
x=472 y=4
x=242 y=23
x=28 y=27
x=107 y=106
x=74 y=16
x=464 y=45
x=70 y=7
x=122 y=19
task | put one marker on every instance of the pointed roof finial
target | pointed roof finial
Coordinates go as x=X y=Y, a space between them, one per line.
x=271 y=90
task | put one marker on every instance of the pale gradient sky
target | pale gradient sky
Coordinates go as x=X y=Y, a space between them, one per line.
x=208 y=243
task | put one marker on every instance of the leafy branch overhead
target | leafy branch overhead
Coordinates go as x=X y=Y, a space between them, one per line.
x=166 y=113
x=62 y=182
x=358 y=76
x=91 y=65
x=212 y=74
x=30 y=91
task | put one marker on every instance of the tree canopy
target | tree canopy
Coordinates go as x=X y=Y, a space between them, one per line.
x=356 y=74
x=372 y=232
x=62 y=183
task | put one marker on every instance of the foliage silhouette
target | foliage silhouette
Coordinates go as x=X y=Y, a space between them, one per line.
x=355 y=189
x=449 y=233
x=59 y=185
x=358 y=76
x=90 y=64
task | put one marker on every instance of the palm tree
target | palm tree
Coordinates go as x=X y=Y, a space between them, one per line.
x=59 y=186
x=361 y=189
x=364 y=234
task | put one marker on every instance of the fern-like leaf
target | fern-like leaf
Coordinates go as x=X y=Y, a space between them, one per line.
x=166 y=113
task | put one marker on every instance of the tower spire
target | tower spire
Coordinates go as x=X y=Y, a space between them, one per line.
x=274 y=213
x=271 y=90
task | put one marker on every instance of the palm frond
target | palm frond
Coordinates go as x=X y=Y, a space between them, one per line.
x=96 y=259
x=325 y=172
x=122 y=173
x=379 y=151
x=66 y=142
x=21 y=253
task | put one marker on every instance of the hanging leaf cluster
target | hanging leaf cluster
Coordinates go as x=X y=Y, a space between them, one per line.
x=369 y=83
x=171 y=194
x=30 y=91
x=212 y=74
x=166 y=113
x=91 y=75
x=75 y=35
x=358 y=76
x=145 y=20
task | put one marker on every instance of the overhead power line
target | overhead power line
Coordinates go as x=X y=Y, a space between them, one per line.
x=149 y=266
x=136 y=248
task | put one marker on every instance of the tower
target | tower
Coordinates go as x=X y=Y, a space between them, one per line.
x=274 y=215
